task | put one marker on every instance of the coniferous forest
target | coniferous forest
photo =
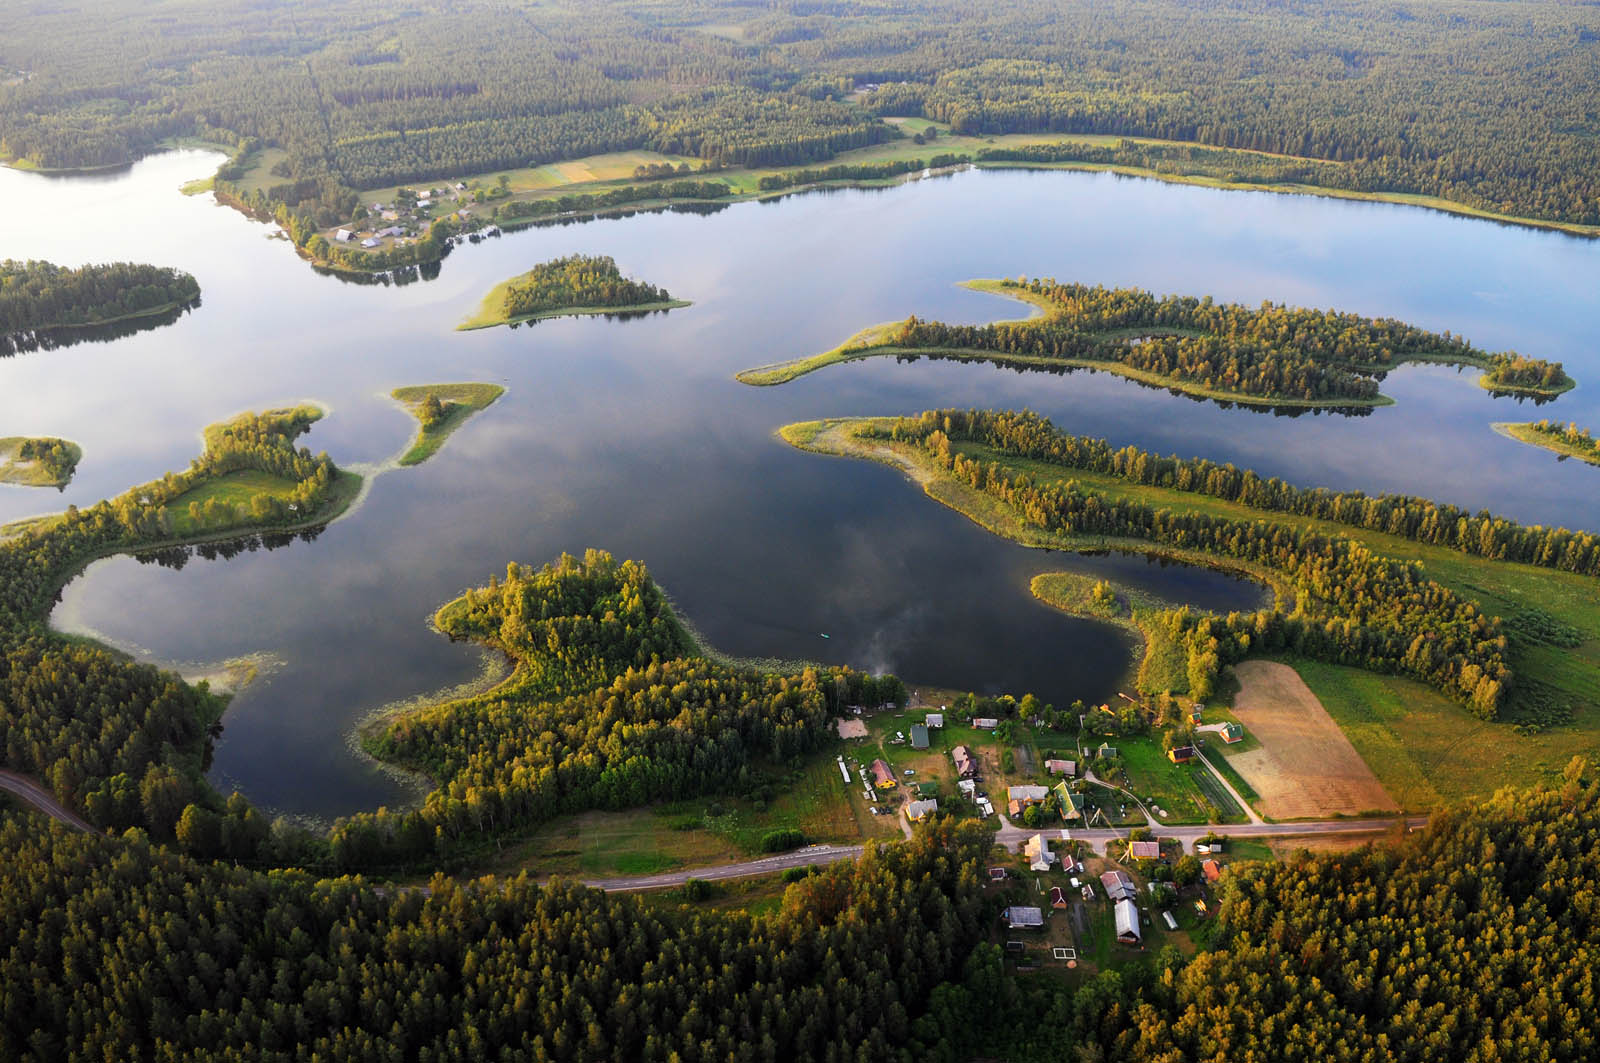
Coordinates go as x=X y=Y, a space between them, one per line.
x=40 y=295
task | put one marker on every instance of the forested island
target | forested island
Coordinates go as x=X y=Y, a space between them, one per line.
x=1347 y=568
x=40 y=297
x=440 y=409
x=1567 y=440
x=574 y=285
x=1271 y=355
x=38 y=461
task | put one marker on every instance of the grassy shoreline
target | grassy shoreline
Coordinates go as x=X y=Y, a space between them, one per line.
x=1525 y=432
x=483 y=319
x=460 y=401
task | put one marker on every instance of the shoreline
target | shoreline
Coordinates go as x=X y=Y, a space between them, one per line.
x=473 y=324
x=1523 y=432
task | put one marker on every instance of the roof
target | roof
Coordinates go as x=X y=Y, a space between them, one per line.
x=1019 y=916
x=919 y=736
x=987 y=723
x=965 y=765
x=967 y=786
x=1144 y=850
x=1058 y=898
x=1118 y=885
x=1061 y=767
x=986 y=807
x=1172 y=924
x=1232 y=732
x=882 y=773
x=1128 y=922
x=1181 y=753
x=1028 y=793
x=997 y=873
x=851 y=728
x=1212 y=869
x=1038 y=852
x=918 y=809
x=1106 y=751
x=935 y=719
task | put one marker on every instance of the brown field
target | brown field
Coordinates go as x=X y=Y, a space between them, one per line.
x=1306 y=768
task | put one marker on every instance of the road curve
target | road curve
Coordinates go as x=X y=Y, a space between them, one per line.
x=40 y=798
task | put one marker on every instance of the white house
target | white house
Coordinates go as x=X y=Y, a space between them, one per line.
x=1038 y=853
x=343 y=236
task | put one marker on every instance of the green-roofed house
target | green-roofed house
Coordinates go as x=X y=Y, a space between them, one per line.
x=1232 y=732
x=1072 y=805
x=919 y=736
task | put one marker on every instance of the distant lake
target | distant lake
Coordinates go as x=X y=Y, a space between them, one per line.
x=632 y=435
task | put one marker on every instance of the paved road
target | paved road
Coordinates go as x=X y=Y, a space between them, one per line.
x=39 y=798
x=1012 y=838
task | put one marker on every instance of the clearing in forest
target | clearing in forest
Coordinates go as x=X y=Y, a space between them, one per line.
x=1306 y=767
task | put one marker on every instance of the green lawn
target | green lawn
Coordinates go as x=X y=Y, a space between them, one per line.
x=234 y=489
x=460 y=401
x=1158 y=781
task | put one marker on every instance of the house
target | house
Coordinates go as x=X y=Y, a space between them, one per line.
x=985 y=808
x=845 y=771
x=1071 y=804
x=371 y=241
x=919 y=810
x=1144 y=850
x=968 y=787
x=1118 y=885
x=1037 y=850
x=1020 y=797
x=1212 y=869
x=1232 y=732
x=1024 y=918
x=935 y=721
x=985 y=723
x=344 y=236
x=393 y=230
x=1058 y=897
x=1172 y=924
x=461 y=186
x=919 y=736
x=966 y=767
x=851 y=728
x=389 y=215
x=1061 y=767
x=998 y=874
x=1105 y=752
x=1212 y=846
x=1128 y=923
x=1180 y=754
x=883 y=775
x=1197 y=714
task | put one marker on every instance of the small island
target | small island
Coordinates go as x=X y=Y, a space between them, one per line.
x=42 y=297
x=575 y=285
x=38 y=461
x=1271 y=355
x=440 y=409
x=1568 y=440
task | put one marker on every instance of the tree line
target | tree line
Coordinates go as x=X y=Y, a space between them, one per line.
x=38 y=295
x=867 y=171
x=576 y=281
x=1273 y=351
x=1349 y=605
x=1480 y=534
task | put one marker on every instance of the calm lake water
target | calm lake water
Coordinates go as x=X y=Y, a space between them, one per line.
x=633 y=435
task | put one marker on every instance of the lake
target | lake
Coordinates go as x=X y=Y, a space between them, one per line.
x=633 y=436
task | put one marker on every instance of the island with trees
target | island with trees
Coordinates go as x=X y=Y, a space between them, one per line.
x=574 y=285
x=38 y=461
x=440 y=409
x=1272 y=355
x=1568 y=440
x=42 y=298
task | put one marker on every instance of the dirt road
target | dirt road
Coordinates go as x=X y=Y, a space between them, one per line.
x=39 y=798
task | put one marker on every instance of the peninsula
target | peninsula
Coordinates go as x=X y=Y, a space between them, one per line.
x=1272 y=355
x=1568 y=440
x=577 y=284
x=440 y=409
x=38 y=461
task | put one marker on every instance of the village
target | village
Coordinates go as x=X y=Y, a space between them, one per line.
x=381 y=226
x=1143 y=775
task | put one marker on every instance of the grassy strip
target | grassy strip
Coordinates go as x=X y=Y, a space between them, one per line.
x=1162 y=666
x=460 y=401
x=1526 y=432
x=14 y=469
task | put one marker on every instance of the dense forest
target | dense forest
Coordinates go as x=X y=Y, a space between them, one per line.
x=1346 y=604
x=40 y=295
x=1489 y=105
x=611 y=706
x=1274 y=351
x=1472 y=940
x=574 y=282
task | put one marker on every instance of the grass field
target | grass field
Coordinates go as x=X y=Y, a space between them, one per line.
x=14 y=469
x=460 y=401
x=236 y=489
x=1524 y=432
x=1424 y=749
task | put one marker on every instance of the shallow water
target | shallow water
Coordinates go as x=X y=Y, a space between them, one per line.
x=631 y=435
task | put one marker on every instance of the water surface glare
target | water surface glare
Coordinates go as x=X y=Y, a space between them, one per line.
x=633 y=436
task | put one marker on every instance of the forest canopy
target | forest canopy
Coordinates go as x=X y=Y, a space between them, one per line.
x=39 y=295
